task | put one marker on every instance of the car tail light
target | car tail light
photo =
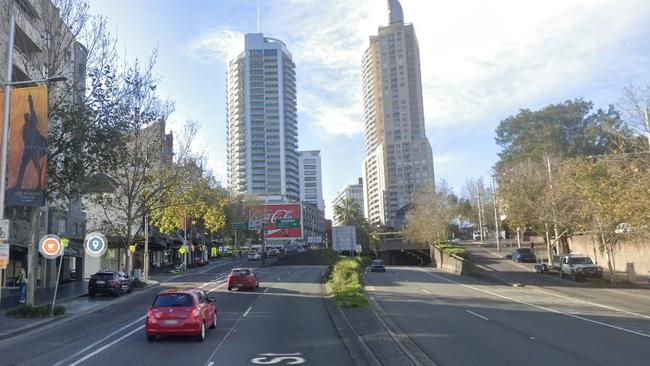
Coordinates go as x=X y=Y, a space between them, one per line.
x=195 y=313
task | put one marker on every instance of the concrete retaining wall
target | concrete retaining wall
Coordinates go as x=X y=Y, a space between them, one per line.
x=446 y=262
x=634 y=252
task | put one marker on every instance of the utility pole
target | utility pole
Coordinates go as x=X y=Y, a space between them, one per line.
x=496 y=215
x=5 y=125
x=145 y=270
x=550 y=183
x=480 y=216
x=647 y=123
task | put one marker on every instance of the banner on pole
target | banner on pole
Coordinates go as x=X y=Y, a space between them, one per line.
x=4 y=256
x=27 y=167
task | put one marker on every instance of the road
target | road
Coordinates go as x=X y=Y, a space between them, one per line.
x=286 y=315
x=458 y=320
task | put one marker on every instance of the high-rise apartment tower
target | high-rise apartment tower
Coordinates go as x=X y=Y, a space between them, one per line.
x=399 y=161
x=262 y=125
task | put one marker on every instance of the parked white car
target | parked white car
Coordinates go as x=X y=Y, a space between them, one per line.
x=254 y=256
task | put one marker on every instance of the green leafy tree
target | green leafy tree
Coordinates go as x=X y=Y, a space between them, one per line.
x=430 y=218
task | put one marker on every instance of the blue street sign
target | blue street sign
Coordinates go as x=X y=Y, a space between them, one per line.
x=95 y=244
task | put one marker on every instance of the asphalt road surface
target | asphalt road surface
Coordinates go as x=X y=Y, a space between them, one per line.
x=458 y=320
x=284 y=321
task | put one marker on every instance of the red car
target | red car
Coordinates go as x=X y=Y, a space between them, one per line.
x=200 y=262
x=181 y=312
x=243 y=278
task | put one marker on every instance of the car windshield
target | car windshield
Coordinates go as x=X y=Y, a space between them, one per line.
x=240 y=272
x=173 y=300
x=581 y=260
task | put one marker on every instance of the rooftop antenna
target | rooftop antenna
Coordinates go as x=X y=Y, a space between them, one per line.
x=259 y=18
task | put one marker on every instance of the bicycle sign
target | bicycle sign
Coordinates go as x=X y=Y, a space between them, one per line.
x=4 y=230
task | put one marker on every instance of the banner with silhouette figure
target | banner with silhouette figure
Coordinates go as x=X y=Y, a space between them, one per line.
x=27 y=166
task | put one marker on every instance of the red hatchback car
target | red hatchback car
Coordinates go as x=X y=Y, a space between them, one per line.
x=181 y=312
x=243 y=278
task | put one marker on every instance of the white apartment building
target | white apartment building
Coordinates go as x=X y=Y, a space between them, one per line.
x=311 y=180
x=353 y=191
x=262 y=125
x=399 y=160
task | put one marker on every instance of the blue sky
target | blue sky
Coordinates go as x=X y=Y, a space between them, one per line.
x=481 y=62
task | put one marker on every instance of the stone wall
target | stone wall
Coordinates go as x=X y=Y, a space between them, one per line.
x=630 y=251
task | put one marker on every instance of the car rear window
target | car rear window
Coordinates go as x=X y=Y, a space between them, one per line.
x=173 y=300
x=378 y=261
x=242 y=272
x=103 y=275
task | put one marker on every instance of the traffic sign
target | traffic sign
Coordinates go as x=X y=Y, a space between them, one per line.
x=4 y=230
x=132 y=249
x=4 y=255
x=213 y=252
x=95 y=244
x=50 y=246
x=287 y=223
x=110 y=253
x=255 y=225
x=65 y=242
x=182 y=250
x=239 y=225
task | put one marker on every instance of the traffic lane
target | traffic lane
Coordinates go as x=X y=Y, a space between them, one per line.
x=132 y=347
x=535 y=326
x=635 y=301
x=288 y=323
x=58 y=341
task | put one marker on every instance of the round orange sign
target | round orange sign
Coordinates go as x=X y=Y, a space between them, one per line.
x=50 y=246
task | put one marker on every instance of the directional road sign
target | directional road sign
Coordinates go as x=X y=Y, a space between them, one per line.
x=255 y=225
x=239 y=225
x=50 y=246
x=287 y=223
x=95 y=244
x=182 y=250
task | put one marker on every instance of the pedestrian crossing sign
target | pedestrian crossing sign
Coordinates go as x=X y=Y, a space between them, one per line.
x=181 y=250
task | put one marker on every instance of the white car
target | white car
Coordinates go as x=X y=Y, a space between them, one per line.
x=254 y=256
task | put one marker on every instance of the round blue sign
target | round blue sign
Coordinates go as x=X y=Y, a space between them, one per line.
x=95 y=244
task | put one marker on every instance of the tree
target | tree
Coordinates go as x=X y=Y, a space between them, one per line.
x=348 y=212
x=607 y=191
x=636 y=104
x=429 y=221
x=562 y=130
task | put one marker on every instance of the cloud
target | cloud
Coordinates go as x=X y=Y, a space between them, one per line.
x=217 y=45
x=445 y=159
x=479 y=60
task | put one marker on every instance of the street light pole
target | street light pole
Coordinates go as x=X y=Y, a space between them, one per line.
x=496 y=215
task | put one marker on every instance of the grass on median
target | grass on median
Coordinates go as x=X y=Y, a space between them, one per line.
x=451 y=249
x=345 y=283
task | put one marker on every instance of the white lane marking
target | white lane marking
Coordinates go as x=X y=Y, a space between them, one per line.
x=99 y=341
x=211 y=363
x=592 y=303
x=279 y=279
x=541 y=307
x=248 y=310
x=106 y=346
x=323 y=274
x=425 y=291
x=266 y=289
x=370 y=288
x=478 y=315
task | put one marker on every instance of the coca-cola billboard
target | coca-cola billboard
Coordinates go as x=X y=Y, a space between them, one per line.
x=289 y=213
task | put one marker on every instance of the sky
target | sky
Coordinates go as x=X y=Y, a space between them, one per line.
x=481 y=61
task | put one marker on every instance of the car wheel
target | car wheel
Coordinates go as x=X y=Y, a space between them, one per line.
x=151 y=338
x=214 y=321
x=229 y=288
x=201 y=336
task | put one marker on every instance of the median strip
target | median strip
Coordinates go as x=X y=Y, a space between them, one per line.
x=345 y=282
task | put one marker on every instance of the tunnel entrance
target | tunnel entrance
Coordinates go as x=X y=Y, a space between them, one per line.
x=406 y=257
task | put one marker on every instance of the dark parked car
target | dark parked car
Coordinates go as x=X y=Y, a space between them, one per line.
x=377 y=265
x=523 y=255
x=111 y=283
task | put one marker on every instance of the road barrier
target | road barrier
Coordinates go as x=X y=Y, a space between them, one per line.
x=448 y=262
